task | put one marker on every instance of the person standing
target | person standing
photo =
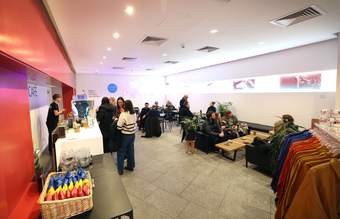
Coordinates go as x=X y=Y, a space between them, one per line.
x=212 y=107
x=120 y=106
x=184 y=112
x=183 y=101
x=142 y=115
x=105 y=119
x=53 y=117
x=127 y=124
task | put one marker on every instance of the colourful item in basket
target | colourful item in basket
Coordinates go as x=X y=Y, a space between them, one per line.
x=80 y=191
x=70 y=186
x=49 y=197
x=74 y=192
x=86 y=190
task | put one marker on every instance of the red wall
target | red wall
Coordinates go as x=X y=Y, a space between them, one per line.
x=28 y=43
x=16 y=149
x=27 y=35
x=67 y=98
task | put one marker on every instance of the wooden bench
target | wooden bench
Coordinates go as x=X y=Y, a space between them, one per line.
x=239 y=143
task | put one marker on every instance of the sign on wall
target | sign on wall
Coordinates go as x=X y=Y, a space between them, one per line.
x=112 y=88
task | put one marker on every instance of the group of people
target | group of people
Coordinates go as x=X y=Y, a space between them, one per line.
x=219 y=127
x=117 y=122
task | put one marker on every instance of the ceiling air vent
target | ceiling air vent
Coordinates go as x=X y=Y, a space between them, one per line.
x=171 y=62
x=154 y=41
x=117 y=68
x=129 y=59
x=298 y=16
x=149 y=69
x=208 y=49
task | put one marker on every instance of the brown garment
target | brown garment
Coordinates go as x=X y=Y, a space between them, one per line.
x=319 y=194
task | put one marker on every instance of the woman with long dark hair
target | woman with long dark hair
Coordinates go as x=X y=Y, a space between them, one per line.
x=127 y=124
x=104 y=117
x=120 y=106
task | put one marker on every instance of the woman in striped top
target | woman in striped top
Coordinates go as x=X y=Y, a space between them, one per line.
x=127 y=124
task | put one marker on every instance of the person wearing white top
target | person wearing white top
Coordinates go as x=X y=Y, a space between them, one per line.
x=127 y=124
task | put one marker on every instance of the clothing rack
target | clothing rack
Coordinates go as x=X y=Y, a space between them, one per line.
x=305 y=170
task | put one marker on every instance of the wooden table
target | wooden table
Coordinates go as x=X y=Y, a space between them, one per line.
x=239 y=143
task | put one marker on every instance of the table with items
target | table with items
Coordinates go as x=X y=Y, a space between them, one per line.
x=84 y=140
x=237 y=144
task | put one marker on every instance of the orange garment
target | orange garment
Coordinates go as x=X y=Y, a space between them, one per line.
x=310 y=143
x=299 y=154
x=319 y=194
x=304 y=162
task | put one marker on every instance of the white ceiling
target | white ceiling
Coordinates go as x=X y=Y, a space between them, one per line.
x=86 y=28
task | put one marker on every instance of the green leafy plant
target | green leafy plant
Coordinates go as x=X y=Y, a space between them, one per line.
x=222 y=108
x=191 y=124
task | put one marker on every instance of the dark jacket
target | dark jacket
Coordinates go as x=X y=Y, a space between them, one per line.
x=144 y=112
x=211 y=127
x=211 y=109
x=185 y=112
x=104 y=117
x=182 y=103
x=152 y=125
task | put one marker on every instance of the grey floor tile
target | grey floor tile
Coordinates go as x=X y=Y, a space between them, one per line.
x=203 y=196
x=167 y=203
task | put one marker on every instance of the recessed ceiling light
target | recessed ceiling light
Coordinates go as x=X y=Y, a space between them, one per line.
x=101 y=63
x=260 y=43
x=116 y=35
x=104 y=57
x=129 y=10
x=108 y=49
x=213 y=31
x=164 y=54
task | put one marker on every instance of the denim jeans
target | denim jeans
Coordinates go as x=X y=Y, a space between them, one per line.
x=127 y=149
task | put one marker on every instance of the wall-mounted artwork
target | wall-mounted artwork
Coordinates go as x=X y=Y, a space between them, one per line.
x=289 y=82
x=246 y=84
x=310 y=81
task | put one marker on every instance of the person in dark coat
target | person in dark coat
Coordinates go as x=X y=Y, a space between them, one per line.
x=105 y=115
x=183 y=101
x=142 y=115
x=53 y=118
x=185 y=112
x=152 y=124
x=212 y=107
x=212 y=128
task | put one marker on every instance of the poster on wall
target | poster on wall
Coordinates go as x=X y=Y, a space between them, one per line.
x=310 y=81
x=247 y=84
x=289 y=82
x=303 y=81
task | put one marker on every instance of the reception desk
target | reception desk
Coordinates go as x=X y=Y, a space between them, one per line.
x=90 y=138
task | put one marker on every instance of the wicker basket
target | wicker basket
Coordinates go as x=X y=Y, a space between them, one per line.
x=64 y=208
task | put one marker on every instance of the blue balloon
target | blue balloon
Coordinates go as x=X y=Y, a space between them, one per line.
x=112 y=88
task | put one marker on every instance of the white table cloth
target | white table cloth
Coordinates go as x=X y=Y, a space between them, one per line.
x=90 y=138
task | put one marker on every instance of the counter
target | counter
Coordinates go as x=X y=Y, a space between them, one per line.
x=90 y=138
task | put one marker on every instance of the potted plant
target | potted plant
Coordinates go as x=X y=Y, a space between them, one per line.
x=222 y=108
x=190 y=127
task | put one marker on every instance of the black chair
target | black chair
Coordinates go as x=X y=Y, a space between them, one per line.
x=204 y=142
x=259 y=153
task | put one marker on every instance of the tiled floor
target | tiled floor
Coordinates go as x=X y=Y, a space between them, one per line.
x=168 y=183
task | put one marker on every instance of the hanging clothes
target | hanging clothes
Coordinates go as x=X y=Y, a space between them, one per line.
x=315 y=199
x=301 y=155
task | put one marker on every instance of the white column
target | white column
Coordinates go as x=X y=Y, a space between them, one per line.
x=337 y=96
